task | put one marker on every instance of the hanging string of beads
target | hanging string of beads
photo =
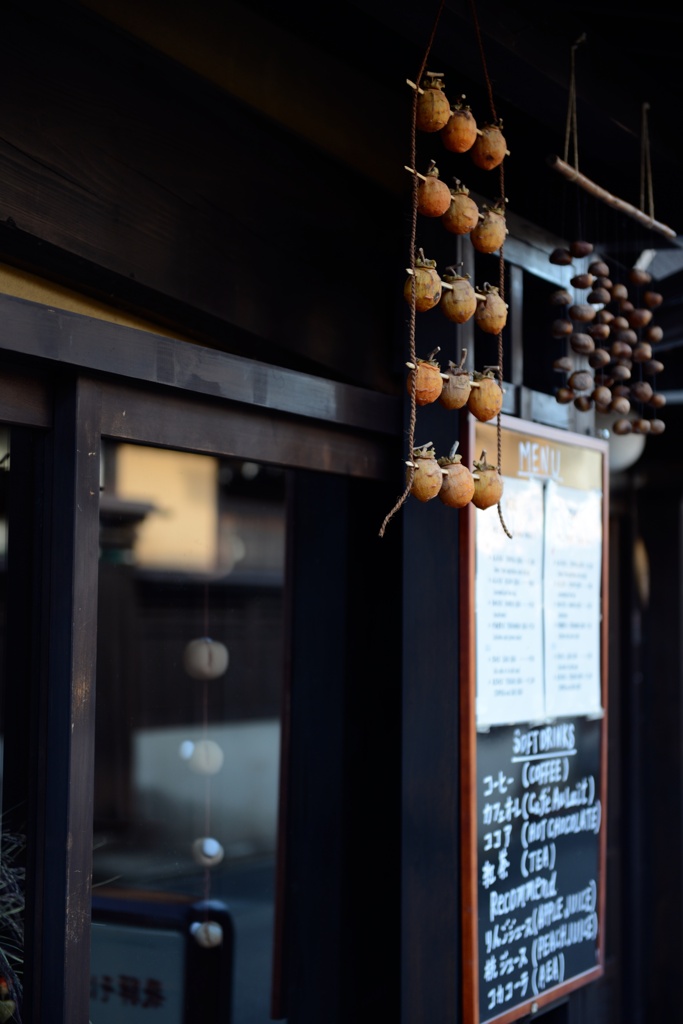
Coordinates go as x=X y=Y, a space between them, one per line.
x=204 y=661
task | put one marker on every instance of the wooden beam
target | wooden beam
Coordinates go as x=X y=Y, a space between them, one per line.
x=87 y=343
x=574 y=175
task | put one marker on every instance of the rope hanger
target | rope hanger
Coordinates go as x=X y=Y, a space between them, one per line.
x=412 y=350
x=571 y=130
x=572 y=173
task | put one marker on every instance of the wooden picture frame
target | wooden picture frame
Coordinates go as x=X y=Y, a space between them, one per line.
x=533 y=792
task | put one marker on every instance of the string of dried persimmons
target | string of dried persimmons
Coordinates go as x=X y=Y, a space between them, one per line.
x=481 y=392
x=501 y=262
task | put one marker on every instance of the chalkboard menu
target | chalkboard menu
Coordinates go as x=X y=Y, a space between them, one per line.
x=538 y=846
x=534 y=724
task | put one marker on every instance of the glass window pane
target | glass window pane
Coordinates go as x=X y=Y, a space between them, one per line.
x=189 y=684
x=12 y=776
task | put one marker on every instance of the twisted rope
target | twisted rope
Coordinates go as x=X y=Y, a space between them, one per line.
x=413 y=242
x=501 y=260
x=646 y=166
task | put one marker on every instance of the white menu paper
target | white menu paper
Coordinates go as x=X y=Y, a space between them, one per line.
x=509 y=607
x=572 y=600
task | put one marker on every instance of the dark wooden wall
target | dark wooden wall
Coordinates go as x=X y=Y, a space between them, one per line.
x=141 y=182
x=144 y=185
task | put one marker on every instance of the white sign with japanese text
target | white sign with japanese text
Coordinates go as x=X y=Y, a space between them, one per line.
x=509 y=607
x=136 y=974
x=572 y=583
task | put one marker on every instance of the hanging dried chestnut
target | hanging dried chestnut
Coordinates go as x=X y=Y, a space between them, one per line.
x=652 y=299
x=652 y=367
x=598 y=332
x=638 y=318
x=598 y=297
x=582 y=311
x=561 y=328
x=654 y=333
x=620 y=405
x=599 y=268
x=565 y=395
x=563 y=364
x=642 y=391
x=621 y=372
x=581 y=380
x=638 y=276
x=581 y=343
x=619 y=291
x=642 y=352
x=582 y=280
x=580 y=248
x=628 y=336
x=602 y=395
x=620 y=350
x=561 y=297
x=583 y=403
x=657 y=426
x=621 y=390
x=560 y=257
x=599 y=358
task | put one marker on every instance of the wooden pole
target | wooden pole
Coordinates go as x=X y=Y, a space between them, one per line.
x=572 y=174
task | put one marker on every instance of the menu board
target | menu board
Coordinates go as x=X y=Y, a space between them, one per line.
x=534 y=723
x=538 y=828
x=538 y=590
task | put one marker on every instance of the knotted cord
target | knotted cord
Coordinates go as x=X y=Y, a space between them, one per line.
x=571 y=129
x=501 y=261
x=413 y=242
x=645 y=166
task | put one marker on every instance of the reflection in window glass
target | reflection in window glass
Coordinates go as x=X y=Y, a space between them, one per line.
x=12 y=815
x=189 y=680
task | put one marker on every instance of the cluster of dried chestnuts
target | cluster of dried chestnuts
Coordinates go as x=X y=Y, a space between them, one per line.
x=609 y=364
x=455 y=295
x=451 y=480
